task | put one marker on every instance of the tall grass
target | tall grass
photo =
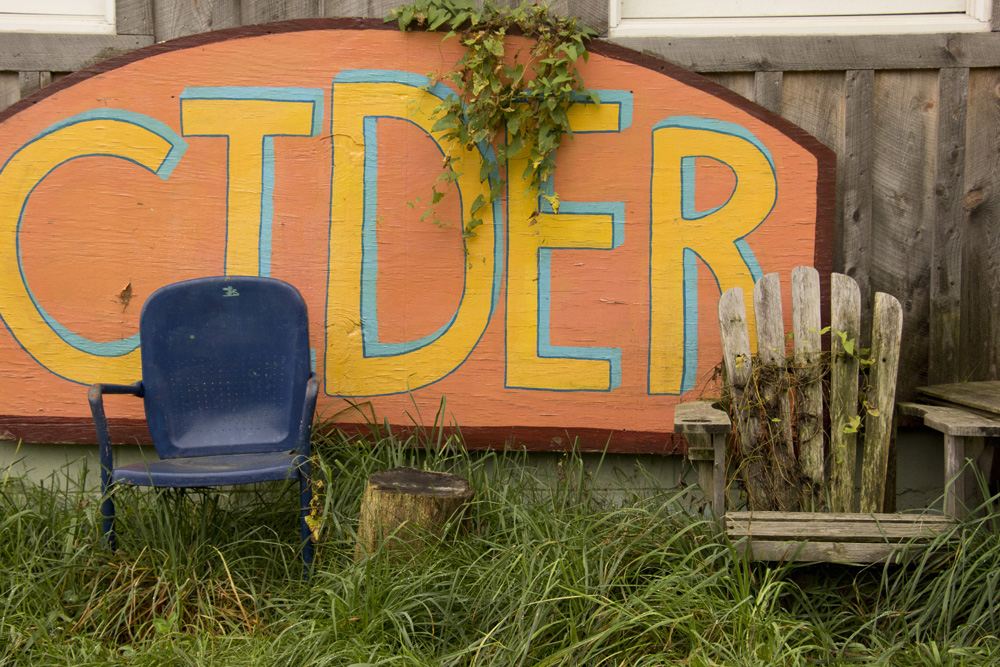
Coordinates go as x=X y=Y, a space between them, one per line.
x=546 y=571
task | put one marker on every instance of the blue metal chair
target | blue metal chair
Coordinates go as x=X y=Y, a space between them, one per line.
x=228 y=390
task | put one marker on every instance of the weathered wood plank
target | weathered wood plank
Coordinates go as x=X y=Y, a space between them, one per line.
x=980 y=288
x=31 y=82
x=853 y=250
x=134 y=17
x=265 y=11
x=741 y=83
x=773 y=392
x=63 y=52
x=761 y=53
x=807 y=361
x=952 y=421
x=700 y=417
x=845 y=325
x=903 y=212
x=767 y=90
x=176 y=18
x=867 y=530
x=946 y=253
x=838 y=517
x=828 y=552
x=10 y=89
x=887 y=330
x=815 y=102
x=980 y=396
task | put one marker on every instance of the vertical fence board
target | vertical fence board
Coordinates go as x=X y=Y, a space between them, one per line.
x=903 y=207
x=948 y=221
x=134 y=17
x=853 y=240
x=176 y=18
x=767 y=90
x=741 y=83
x=980 y=316
x=10 y=89
x=265 y=11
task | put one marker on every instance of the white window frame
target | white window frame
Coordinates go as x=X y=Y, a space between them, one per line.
x=67 y=16
x=674 y=18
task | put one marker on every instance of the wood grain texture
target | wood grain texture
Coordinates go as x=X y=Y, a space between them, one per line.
x=177 y=18
x=772 y=53
x=853 y=248
x=807 y=361
x=815 y=101
x=31 y=82
x=741 y=83
x=10 y=89
x=700 y=417
x=845 y=316
x=63 y=52
x=946 y=251
x=887 y=329
x=979 y=397
x=767 y=90
x=980 y=287
x=953 y=421
x=265 y=11
x=903 y=221
x=134 y=17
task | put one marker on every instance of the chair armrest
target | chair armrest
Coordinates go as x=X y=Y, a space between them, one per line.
x=701 y=417
x=308 y=410
x=96 y=397
x=952 y=421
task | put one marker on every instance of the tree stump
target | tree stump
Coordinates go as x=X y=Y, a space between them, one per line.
x=402 y=506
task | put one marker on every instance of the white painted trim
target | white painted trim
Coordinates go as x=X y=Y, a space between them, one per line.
x=981 y=10
x=679 y=9
x=799 y=25
x=67 y=16
x=615 y=13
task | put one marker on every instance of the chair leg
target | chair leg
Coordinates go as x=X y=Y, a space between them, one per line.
x=305 y=503
x=108 y=517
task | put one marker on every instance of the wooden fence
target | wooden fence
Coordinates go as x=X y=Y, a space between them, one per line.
x=914 y=120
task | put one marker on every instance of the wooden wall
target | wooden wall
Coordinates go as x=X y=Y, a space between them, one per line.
x=914 y=120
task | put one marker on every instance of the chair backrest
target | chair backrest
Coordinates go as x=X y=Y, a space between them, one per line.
x=225 y=363
x=800 y=465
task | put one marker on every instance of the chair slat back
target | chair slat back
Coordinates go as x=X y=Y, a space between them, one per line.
x=780 y=473
x=845 y=325
x=225 y=362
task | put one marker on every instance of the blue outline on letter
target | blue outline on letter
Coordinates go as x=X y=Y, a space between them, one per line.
x=114 y=348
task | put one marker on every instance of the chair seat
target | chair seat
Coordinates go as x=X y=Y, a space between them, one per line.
x=211 y=470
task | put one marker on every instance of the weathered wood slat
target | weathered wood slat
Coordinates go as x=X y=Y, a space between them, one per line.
x=134 y=17
x=845 y=318
x=887 y=330
x=10 y=89
x=807 y=360
x=868 y=529
x=903 y=221
x=855 y=163
x=265 y=11
x=774 y=392
x=176 y=18
x=980 y=353
x=953 y=421
x=983 y=397
x=828 y=552
x=741 y=83
x=767 y=90
x=23 y=51
x=31 y=82
x=840 y=517
x=946 y=255
x=700 y=417
x=822 y=53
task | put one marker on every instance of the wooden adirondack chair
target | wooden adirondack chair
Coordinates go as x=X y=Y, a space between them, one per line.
x=778 y=409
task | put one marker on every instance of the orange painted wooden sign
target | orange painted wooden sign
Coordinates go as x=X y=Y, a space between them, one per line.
x=306 y=151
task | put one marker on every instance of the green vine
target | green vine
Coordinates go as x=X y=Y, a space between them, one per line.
x=516 y=103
